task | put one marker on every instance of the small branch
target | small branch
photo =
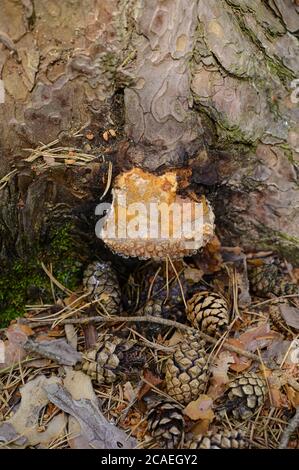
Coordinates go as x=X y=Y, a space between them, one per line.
x=151 y=319
x=293 y=383
x=291 y=427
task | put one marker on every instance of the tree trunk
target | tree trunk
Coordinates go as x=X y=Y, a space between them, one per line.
x=184 y=83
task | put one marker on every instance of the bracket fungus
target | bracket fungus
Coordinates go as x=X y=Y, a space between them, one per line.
x=149 y=219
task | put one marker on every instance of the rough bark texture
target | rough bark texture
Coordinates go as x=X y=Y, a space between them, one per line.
x=205 y=84
x=159 y=115
x=242 y=60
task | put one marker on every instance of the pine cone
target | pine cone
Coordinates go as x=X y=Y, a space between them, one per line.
x=208 y=311
x=166 y=424
x=244 y=396
x=155 y=308
x=175 y=301
x=186 y=371
x=268 y=279
x=112 y=357
x=216 y=440
x=101 y=282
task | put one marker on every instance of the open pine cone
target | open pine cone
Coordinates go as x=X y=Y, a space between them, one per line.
x=245 y=394
x=216 y=440
x=186 y=371
x=156 y=308
x=267 y=279
x=173 y=296
x=208 y=311
x=112 y=357
x=166 y=424
x=101 y=282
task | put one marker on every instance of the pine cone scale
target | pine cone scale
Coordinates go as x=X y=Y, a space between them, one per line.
x=208 y=311
x=186 y=371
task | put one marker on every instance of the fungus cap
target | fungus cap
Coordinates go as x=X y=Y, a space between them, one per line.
x=148 y=219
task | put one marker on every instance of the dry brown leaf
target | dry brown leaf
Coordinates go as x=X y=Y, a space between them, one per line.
x=17 y=335
x=290 y=315
x=200 y=409
x=56 y=333
x=276 y=380
x=135 y=422
x=129 y=393
x=240 y=362
x=257 y=337
x=219 y=370
x=152 y=380
x=26 y=419
x=253 y=339
x=201 y=427
x=17 y=332
x=276 y=397
x=79 y=385
x=293 y=396
x=176 y=338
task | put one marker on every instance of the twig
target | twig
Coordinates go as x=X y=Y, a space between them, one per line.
x=291 y=427
x=274 y=300
x=150 y=344
x=150 y=319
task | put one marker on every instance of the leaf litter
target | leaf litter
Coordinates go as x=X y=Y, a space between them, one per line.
x=47 y=402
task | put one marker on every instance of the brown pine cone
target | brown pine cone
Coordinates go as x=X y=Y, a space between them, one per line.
x=166 y=424
x=112 y=357
x=156 y=308
x=101 y=282
x=268 y=279
x=186 y=371
x=208 y=311
x=245 y=394
x=216 y=440
x=174 y=297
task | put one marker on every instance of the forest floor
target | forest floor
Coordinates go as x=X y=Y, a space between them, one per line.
x=47 y=401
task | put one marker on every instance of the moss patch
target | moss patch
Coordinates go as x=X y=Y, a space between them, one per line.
x=285 y=244
x=24 y=281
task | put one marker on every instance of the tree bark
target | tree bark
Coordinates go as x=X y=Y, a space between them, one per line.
x=184 y=83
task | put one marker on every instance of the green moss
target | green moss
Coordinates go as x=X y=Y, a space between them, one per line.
x=279 y=70
x=24 y=281
x=285 y=244
x=288 y=153
x=15 y=283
